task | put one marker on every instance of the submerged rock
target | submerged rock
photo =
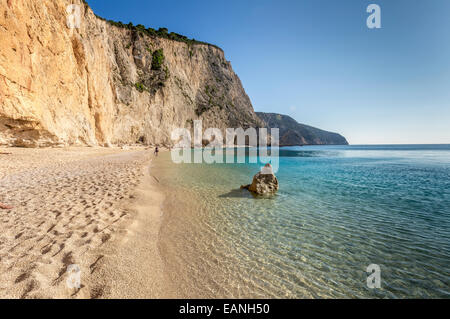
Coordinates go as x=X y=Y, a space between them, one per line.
x=264 y=183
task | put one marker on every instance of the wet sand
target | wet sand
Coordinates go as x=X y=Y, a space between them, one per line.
x=97 y=208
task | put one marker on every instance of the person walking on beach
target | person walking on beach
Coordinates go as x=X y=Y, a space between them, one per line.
x=156 y=151
x=3 y=206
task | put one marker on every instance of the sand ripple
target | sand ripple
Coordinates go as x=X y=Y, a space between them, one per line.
x=67 y=204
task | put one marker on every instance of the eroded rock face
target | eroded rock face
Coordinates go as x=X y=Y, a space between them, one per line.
x=264 y=182
x=95 y=85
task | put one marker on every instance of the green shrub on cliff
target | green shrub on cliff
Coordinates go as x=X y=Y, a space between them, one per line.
x=140 y=87
x=163 y=32
x=157 y=59
x=140 y=27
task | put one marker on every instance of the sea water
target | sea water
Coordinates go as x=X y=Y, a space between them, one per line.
x=339 y=209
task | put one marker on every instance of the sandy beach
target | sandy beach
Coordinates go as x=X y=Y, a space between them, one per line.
x=96 y=208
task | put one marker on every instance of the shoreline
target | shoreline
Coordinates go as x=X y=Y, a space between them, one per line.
x=135 y=266
x=140 y=227
x=97 y=208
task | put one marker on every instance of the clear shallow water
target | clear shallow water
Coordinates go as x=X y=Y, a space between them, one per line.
x=338 y=210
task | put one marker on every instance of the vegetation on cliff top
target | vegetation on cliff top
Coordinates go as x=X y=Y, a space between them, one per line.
x=161 y=32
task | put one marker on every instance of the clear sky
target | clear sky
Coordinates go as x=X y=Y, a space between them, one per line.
x=317 y=61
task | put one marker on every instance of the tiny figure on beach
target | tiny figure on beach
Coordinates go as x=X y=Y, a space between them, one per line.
x=3 y=206
x=156 y=151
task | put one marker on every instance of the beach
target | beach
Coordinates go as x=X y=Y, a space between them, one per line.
x=137 y=226
x=96 y=208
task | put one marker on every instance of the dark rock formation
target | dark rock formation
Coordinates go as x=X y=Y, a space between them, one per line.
x=293 y=133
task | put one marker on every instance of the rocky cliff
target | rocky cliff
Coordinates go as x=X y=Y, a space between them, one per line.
x=293 y=133
x=101 y=84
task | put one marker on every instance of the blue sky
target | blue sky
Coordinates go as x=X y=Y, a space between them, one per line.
x=317 y=61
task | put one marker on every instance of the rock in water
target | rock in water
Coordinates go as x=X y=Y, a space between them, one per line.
x=264 y=183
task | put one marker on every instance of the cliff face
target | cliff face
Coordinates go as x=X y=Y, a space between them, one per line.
x=101 y=84
x=293 y=133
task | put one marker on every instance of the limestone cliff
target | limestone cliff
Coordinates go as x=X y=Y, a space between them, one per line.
x=100 y=84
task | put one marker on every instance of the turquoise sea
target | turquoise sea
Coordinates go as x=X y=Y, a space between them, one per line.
x=338 y=210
